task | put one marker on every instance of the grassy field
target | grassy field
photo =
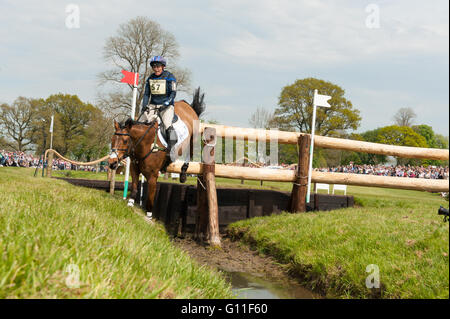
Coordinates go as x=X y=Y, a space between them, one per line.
x=62 y=241
x=399 y=231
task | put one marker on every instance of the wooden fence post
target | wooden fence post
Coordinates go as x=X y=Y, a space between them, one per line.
x=50 y=164
x=201 y=219
x=299 y=189
x=112 y=181
x=208 y=157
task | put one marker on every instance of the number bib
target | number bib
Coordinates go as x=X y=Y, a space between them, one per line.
x=158 y=87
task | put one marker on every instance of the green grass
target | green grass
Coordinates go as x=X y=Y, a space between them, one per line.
x=48 y=226
x=397 y=230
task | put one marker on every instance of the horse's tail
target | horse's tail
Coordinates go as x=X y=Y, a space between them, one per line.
x=198 y=103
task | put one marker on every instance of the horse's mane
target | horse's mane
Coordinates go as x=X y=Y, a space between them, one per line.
x=129 y=123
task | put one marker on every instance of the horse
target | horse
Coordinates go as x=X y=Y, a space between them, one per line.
x=140 y=142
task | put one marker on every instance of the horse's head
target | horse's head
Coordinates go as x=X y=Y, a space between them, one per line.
x=120 y=144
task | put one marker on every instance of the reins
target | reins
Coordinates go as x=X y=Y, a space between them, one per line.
x=131 y=150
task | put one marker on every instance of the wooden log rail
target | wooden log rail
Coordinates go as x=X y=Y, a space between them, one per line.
x=279 y=175
x=328 y=142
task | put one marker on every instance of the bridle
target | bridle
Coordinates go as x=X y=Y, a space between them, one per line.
x=130 y=151
x=126 y=150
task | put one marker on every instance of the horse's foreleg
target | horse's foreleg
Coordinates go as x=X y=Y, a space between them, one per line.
x=151 y=194
x=134 y=170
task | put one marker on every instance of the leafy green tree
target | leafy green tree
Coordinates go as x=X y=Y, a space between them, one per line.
x=96 y=139
x=441 y=141
x=16 y=123
x=427 y=132
x=295 y=107
x=398 y=135
x=72 y=118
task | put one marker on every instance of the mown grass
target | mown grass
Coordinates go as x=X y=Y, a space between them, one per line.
x=397 y=230
x=48 y=226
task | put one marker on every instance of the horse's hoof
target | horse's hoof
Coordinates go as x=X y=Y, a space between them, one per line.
x=182 y=177
x=130 y=202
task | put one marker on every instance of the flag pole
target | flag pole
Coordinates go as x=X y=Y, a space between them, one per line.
x=51 y=133
x=133 y=111
x=311 y=149
x=318 y=100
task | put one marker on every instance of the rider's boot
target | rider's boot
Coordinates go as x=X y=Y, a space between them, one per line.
x=171 y=140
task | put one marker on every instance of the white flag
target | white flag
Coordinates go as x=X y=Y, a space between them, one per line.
x=51 y=125
x=321 y=100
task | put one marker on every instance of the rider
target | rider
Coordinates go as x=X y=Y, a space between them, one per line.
x=160 y=89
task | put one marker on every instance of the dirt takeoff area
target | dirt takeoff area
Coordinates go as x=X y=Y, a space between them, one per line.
x=236 y=257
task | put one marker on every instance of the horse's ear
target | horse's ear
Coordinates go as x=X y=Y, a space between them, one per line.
x=116 y=125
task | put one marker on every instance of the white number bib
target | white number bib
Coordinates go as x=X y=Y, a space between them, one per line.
x=158 y=86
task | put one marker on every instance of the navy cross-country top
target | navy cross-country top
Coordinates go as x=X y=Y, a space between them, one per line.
x=161 y=89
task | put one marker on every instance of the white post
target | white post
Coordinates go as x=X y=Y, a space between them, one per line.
x=133 y=111
x=318 y=100
x=142 y=189
x=51 y=133
x=311 y=149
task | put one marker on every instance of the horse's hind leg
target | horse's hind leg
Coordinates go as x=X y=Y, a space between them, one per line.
x=188 y=155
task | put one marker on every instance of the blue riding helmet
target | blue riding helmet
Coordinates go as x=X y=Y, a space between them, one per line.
x=157 y=59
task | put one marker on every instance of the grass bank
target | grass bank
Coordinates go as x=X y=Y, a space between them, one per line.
x=396 y=230
x=62 y=241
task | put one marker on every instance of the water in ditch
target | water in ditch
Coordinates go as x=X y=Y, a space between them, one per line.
x=248 y=286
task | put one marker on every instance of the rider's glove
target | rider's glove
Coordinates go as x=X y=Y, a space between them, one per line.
x=166 y=103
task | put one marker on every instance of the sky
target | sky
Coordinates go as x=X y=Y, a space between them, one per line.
x=384 y=54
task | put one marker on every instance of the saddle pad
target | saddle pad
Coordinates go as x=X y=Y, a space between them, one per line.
x=180 y=129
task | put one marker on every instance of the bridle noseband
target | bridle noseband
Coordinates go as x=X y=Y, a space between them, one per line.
x=132 y=147
x=126 y=150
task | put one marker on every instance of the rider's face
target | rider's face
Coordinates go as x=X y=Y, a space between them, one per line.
x=158 y=69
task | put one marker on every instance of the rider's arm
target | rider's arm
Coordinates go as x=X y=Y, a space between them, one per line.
x=146 y=95
x=172 y=89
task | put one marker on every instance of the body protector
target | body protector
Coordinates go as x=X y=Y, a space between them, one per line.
x=160 y=90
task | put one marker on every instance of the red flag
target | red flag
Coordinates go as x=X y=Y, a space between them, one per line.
x=129 y=77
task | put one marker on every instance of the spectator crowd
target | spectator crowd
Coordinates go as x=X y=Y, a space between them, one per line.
x=21 y=159
x=429 y=172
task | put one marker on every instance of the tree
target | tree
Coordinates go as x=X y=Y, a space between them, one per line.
x=441 y=141
x=95 y=141
x=72 y=117
x=427 y=132
x=261 y=118
x=295 y=107
x=131 y=49
x=16 y=121
x=404 y=116
x=399 y=135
